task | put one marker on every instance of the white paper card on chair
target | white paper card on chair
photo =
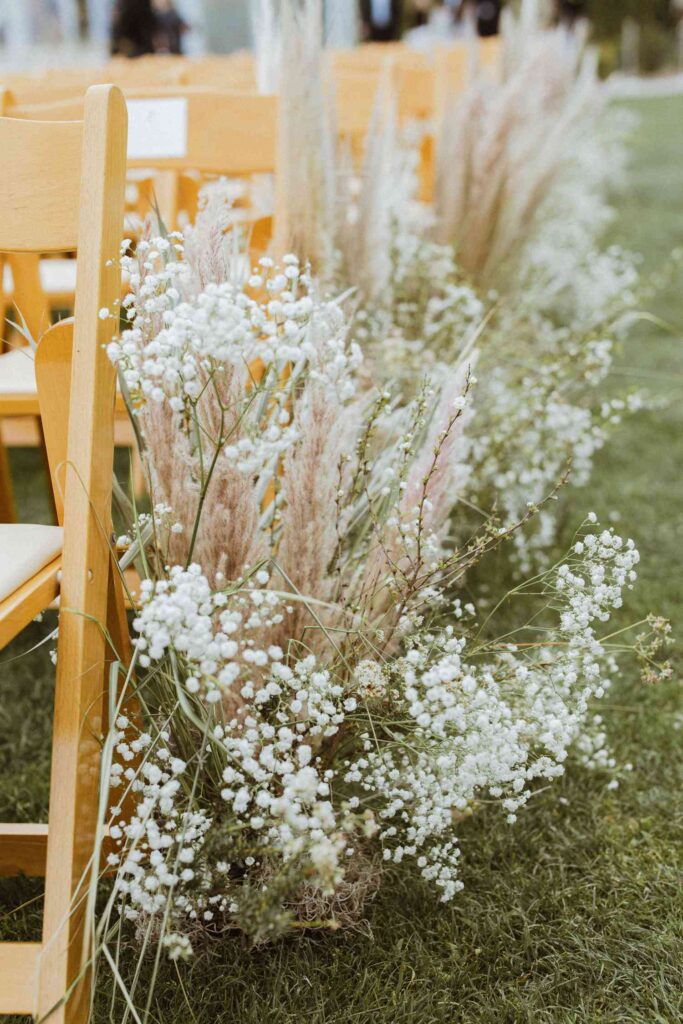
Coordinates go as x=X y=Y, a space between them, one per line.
x=157 y=128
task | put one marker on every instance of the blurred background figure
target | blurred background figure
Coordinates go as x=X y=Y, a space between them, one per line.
x=382 y=20
x=630 y=35
x=141 y=27
x=132 y=28
x=422 y=9
x=569 y=11
x=487 y=15
x=170 y=28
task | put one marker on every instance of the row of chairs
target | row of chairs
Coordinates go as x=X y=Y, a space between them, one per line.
x=418 y=78
x=220 y=134
x=182 y=134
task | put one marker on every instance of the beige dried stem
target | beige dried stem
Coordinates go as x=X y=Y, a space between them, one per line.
x=267 y=37
x=311 y=481
x=365 y=238
x=501 y=149
x=305 y=180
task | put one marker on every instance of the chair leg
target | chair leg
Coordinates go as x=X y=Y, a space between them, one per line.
x=74 y=784
x=80 y=715
x=8 y=512
x=72 y=826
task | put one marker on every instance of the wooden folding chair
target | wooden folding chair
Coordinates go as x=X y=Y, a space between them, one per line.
x=177 y=131
x=54 y=84
x=63 y=189
x=215 y=133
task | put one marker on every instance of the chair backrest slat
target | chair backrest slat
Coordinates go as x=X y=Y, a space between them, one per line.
x=40 y=195
x=246 y=145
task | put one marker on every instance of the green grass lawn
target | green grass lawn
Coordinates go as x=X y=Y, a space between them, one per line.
x=573 y=915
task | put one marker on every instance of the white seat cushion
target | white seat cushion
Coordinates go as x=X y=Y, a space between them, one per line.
x=18 y=372
x=24 y=550
x=57 y=277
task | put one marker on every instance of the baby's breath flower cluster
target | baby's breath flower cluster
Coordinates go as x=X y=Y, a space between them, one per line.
x=178 y=340
x=323 y=687
x=181 y=612
x=300 y=765
x=158 y=842
x=486 y=728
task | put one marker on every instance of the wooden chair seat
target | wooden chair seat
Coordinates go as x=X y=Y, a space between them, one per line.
x=17 y=376
x=18 y=388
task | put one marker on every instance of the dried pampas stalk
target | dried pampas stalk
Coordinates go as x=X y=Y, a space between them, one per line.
x=311 y=480
x=501 y=150
x=306 y=177
x=267 y=37
x=365 y=232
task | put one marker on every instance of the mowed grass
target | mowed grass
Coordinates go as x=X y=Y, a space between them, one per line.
x=573 y=915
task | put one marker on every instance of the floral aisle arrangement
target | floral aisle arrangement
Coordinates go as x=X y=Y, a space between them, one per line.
x=332 y=444
x=509 y=256
x=315 y=696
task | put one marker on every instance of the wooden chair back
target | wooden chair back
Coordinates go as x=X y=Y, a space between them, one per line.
x=413 y=84
x=369 y=56
x=54 y=85
x=232 y=133
x=180 y=135
x=49 y=86
x=177 y=130
x=63 y=188
x=355 y=95
x=225 y=73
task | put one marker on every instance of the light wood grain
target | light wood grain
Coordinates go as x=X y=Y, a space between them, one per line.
x=28 y=296
x=18 y=973
x=23 y=849
x=53 y=378
x=40 y=197
x=81 y=658
x=8 y=511
x=229 y=132
x=91 y=597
